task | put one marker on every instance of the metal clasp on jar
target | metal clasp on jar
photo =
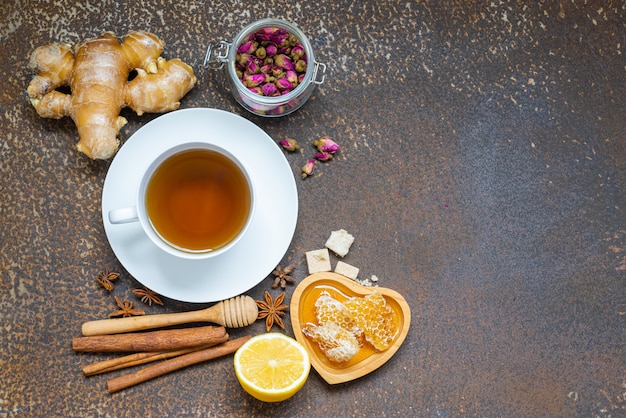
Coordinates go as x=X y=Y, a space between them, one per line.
x=216 y=54
x=318 y=66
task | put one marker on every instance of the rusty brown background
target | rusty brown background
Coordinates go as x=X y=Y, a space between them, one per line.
x=482 y=172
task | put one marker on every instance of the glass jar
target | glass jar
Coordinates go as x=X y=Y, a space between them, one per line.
x=223 y=55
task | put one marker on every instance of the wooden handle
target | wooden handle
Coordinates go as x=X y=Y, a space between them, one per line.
x=167 y=366
x=235 y=312
x=139 y=323
x=150 y=341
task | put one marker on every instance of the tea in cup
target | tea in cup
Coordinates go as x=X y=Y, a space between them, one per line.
x=196 y=200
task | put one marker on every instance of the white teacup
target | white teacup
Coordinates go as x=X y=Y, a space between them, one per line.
x=195 y=200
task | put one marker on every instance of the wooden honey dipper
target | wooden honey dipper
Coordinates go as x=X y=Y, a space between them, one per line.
x=236 y=312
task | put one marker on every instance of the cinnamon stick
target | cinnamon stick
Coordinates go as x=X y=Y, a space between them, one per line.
x=150 y=341
x=167 y=366
x=137 y=359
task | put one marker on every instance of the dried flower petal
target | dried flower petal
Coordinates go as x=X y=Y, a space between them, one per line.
x=325 y=144
x=308 y=168
x=323 y=156
x=289 y=144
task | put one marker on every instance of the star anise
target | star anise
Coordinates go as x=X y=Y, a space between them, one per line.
x=148 y=296
x=106 y=279
x=126 y=309
x=272 y=310
x=282 y=276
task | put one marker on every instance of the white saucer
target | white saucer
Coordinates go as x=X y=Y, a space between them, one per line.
x=258 y=252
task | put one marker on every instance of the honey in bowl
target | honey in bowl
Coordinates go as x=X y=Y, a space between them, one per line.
x=198 y=200
x=367 y=359
x=337 y=289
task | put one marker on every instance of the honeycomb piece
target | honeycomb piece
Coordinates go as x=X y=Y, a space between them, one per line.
x=374 y=317
x=337 y=344
x=328 y=309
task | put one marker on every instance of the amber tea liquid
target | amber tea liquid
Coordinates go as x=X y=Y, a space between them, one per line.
x=198 y=200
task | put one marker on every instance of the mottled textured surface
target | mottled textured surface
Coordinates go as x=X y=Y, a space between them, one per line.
x=482 y=173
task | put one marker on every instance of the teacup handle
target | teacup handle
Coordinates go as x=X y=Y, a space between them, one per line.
x=123 y=215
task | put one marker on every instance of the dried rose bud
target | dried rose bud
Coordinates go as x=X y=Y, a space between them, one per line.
x=284 y=50
x=325 y=144
x=289 y=144
x=308 y=168
x=280 y=39
x=293 y=39
x=300 y=66
x=277 y=72
x=283 y=61
x=297 y=52
x=292 y=77
x=269 y=89
x=253 y=80
x=256 y=90
x=264 y=34
x=323 y=156
x=248 y=47
x=253 y=67
x=260 y=52
x=301 y=77
x=283 y=84
x=265 y=69
x=242 y=59
x=271 y=50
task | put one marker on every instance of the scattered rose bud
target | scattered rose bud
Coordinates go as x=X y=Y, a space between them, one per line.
x=325 y=144
x=289 y=144
x=308 y=168
x=323 y=156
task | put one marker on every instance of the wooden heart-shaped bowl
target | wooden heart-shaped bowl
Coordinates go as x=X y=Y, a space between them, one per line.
x=368 y=359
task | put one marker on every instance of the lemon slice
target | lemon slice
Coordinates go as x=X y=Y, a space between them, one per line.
x=272 y=367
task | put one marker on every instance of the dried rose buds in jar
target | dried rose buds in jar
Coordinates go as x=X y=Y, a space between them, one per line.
x=271 y=62
x=270 y=65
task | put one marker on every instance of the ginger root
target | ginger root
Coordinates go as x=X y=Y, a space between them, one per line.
x=97 y=73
